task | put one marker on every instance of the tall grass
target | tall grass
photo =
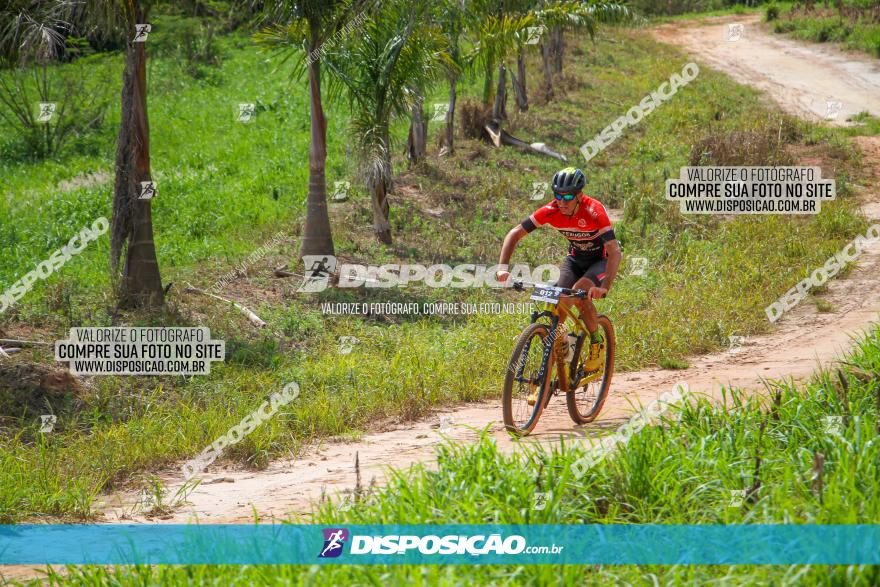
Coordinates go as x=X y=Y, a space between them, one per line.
x=804 y=454
x=854 y=32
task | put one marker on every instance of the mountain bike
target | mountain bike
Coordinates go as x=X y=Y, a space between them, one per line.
x=538 y=368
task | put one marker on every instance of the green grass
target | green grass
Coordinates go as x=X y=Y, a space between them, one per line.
x=693 y=10
x=225 y=188
x=683 y=469
x=823 y=26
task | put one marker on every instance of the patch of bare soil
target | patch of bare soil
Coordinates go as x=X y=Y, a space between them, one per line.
x=814 y=81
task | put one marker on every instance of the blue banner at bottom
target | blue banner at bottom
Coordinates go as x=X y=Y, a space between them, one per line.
x=105 y=544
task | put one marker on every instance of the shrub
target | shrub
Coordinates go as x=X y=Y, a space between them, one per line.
x=764 y=145
x=81 y=93
x=474 y=116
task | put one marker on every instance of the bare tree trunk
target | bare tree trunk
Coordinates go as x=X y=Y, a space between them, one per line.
x=558 y=37
x=448 y=138
x=379 y=187
x=132 y=231
x=488 y=77
x=381 y=212
x=317 y=238
x=519 y=83
x=547 y=69
x=499 y=108
x=417 y=143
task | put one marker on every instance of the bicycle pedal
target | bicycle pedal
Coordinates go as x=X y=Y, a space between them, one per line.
x=590 y=376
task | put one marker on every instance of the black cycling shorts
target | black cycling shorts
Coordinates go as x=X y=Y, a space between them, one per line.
x=571 y=269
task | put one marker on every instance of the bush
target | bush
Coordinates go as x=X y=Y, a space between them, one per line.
x=474 y=116
x=772 y=12
x=764 y=145
x=80 y=92
x=191 y=42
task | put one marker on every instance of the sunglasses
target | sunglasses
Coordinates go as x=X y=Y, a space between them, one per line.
x=566 y=197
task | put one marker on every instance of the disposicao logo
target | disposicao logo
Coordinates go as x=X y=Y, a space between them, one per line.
x=478 y=545
x=334 y=540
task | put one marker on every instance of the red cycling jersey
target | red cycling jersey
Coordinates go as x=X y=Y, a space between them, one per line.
x=587 y=230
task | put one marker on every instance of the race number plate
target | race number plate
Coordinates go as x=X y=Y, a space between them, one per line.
x=547 y=294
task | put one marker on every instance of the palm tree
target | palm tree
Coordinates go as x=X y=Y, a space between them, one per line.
x=31 y=29
x=132 y=227
x=496 y=38
x=452 y=18
x=309 y=28
x=417 y=141
x=558 y=15
x=42 y=25
x=394 y=52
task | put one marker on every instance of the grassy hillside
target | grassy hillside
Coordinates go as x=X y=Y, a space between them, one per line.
x=226 y=188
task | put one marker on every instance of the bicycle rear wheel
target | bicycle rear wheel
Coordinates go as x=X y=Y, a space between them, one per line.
x=586 y=401
x=523 y=378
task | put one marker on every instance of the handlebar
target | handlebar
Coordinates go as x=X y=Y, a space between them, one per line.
x=522 y=285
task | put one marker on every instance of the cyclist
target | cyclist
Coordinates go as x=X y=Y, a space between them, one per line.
x=593 y=255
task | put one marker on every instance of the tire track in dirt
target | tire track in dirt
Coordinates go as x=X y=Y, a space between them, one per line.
x=802 y=77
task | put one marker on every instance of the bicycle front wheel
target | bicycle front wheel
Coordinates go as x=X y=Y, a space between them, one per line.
x=525 y=385
x=591 y=389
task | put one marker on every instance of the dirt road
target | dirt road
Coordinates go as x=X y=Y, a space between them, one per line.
x=801 y=78
x=810 y=80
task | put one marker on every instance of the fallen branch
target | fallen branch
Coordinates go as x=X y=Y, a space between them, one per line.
x=499 y=137
x=7 y=352
x=255 y=320
x=22 y=343
x=281 y=272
